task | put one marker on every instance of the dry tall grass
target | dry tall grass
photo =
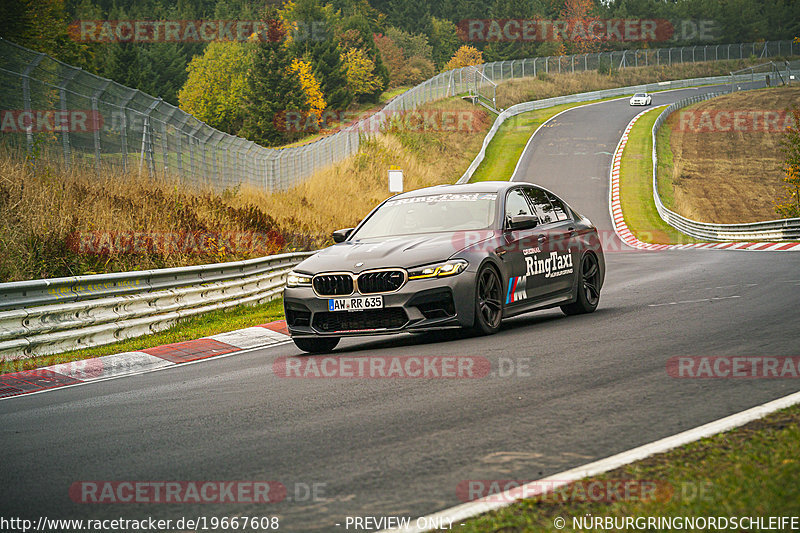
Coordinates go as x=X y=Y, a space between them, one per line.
x=41 y=212
x=735 y=175
x=550 y=85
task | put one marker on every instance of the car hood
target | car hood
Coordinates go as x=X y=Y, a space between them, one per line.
x=402 y=251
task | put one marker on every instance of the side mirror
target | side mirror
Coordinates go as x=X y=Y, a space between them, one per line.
x=340 y=235
x=518 y=222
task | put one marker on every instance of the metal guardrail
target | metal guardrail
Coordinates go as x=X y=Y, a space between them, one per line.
x=525 y=107
x=774 y=230
x=42 y=317
x=133 y=130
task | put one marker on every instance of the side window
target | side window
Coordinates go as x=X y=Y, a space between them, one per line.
x=516 y=204
x=541 y=205
x=559 y=208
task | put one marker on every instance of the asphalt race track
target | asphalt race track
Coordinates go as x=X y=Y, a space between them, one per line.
x=572 y=390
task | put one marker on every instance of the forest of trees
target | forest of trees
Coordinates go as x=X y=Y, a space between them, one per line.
x=336 y=54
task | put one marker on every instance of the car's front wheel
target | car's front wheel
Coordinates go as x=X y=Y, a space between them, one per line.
x=488 y=301
x=588 y=287
x=316 y=344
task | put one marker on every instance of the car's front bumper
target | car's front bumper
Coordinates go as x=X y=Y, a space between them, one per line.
x=419 y=305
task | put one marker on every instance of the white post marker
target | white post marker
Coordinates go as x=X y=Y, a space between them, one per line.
x=395 y=180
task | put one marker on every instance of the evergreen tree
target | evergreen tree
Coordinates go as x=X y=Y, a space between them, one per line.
x=444 y=40
x=516 y=49
x=329 y=70
x=318 y=42
x=414 y=16
x=271 y=93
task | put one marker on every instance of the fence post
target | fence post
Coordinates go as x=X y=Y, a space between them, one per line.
x=26 y=97
x=214 y=167
x=124 y=128
x=96 y=124
x=62 y=95
x=164 y=146
x=179 y=145
x=147 y=141
x=193 y=166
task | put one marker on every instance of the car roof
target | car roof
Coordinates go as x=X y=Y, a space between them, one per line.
x=482 y=186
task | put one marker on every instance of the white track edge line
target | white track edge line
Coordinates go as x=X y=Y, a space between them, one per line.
x=472 y=509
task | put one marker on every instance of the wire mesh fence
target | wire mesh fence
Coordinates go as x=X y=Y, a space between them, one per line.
x=59 y=113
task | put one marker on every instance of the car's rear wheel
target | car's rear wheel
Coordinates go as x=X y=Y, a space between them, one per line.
x=488 y=301
x=588 y=287
x=316 y=344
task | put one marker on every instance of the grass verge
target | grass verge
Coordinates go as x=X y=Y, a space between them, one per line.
x=636 y=187
x=508 y=143
x=189 y=329
x=725 y=157
x=748 y=471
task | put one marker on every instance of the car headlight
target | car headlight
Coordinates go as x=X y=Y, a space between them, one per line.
x=295 y=279
x=438 y=270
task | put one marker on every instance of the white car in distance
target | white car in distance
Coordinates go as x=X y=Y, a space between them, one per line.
x=641 y=99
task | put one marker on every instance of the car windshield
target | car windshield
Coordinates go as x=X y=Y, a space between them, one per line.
x=639 y=95
x=431 y=214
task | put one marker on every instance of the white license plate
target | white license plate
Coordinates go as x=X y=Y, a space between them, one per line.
x=355 y=304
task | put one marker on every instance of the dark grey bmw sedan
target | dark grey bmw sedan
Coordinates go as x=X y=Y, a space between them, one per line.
x=450 y=256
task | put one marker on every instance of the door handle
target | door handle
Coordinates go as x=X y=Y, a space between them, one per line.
x=541 y=238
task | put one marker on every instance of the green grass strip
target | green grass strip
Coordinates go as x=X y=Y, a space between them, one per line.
x=750 y=471
x=506 y=146
x=196 y=327
x=636 y=186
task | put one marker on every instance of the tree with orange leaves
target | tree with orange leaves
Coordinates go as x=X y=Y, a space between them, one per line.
x=579 y=14
x=465 y=56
